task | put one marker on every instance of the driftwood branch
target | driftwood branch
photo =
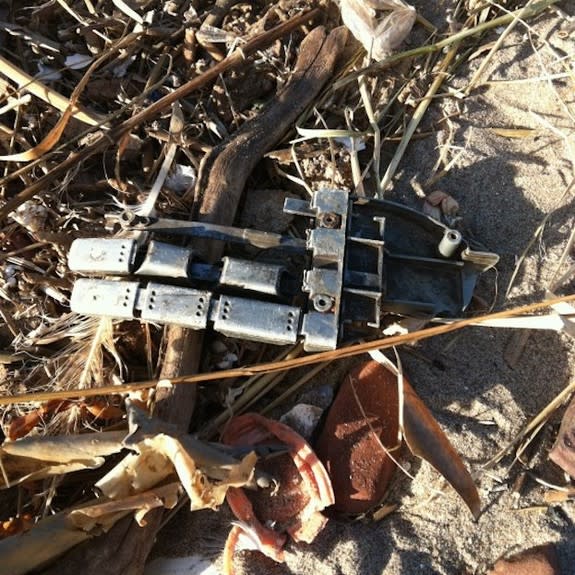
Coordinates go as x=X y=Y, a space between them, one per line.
x=225 y=169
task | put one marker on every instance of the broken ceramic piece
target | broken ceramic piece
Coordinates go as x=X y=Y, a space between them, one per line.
x=292 y=503
x=563 y=452
x=360 y=440
x=360 y=430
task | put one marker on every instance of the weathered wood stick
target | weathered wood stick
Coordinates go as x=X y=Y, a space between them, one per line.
x=226 y=167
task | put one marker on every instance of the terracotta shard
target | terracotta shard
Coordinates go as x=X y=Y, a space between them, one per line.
x=563 y=452
x=361 y=425
x=293 y=506
x=541 y=560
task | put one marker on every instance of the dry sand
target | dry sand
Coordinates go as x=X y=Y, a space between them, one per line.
x=505 y=187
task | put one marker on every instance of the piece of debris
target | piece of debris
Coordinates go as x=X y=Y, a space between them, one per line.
x=379 y=35
x=540 y=560
x=360 y=444
x=563 y=451
x=438 y=204
x=290 y=504
x=359 y=434
x=357 y=250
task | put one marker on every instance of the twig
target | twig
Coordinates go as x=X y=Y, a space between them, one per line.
x=350 y=351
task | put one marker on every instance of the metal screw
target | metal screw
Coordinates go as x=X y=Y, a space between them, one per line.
x=322 y=303
x=329 y=220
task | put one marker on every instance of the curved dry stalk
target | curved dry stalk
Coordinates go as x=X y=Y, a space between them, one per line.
x=312 y=359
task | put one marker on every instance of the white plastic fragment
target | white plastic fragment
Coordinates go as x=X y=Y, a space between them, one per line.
x=78 y=61
x=212 y=35
x=181 y=178
x=303 y=418
x=32 y=216
x=378 y=33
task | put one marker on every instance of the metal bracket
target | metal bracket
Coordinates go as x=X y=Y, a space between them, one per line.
x=361 y=259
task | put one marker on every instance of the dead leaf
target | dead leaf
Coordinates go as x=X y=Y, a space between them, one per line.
x=54 y=135
x=102 y=409
x=563 y=451
x=88 y=518
x=22 y=425
x=34 y=458
x=426 y=439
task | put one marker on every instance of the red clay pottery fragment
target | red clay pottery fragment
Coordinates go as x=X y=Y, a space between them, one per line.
x=292 y=506
x=360 y=437
x=541 y=560
x=563 y=452
x=360 y=428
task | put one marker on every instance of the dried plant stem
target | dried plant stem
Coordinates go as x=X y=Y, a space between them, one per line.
x=45 y=93
x=366 y=99
x=524 y=13
x=356 y=175
x=284 y=365
x=417 y=117
x=534 y=424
